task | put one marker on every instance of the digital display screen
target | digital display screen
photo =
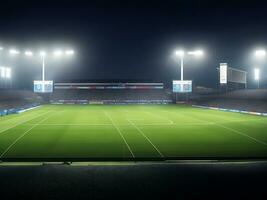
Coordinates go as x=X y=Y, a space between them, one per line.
x=223 y=73
x=43 y=86
x=182 y=86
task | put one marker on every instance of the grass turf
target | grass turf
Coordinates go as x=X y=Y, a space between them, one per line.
x=131 y=132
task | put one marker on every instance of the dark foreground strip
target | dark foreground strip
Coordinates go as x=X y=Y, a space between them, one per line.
x=150 y=181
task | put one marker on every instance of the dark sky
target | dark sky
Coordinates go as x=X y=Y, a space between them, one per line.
x=133 y=39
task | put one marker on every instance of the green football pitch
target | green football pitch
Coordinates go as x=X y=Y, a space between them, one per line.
x=131 y=132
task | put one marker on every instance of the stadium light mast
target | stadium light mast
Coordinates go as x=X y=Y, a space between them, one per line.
x=43 y=55
x=181 y=55
x=259 y=54
x=257 y=76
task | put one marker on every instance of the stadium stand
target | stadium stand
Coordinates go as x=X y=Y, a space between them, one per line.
x=256 y=94
x=12 y=99
x=254 y=100
x=113 y=94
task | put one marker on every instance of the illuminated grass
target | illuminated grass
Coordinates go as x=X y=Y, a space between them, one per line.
x=131 y=131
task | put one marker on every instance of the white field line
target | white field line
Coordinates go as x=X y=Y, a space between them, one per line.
x=243 y=134
x=144 y=135
x=27 y=109
x=162 y=118
x=243 y=120
x=126 y=111
x=22 y=135
x=251 y=120
x=140 y=119
x=201 y=122
x=52 y=124
x=257 y=121
x=120 y=133
x=240 y=133
x=227 y=120
x=13 y=118
x=176 y=124
x=234 y=121
x=135 y=119
x=183 y=115
x=21 y=122
x=151 y=124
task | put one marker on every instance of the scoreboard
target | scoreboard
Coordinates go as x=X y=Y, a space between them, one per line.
x=223 y=73
x=43 y=86
x=182 y=86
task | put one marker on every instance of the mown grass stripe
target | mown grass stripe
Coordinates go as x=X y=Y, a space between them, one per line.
x=118 y=130
x=144 y=135
x=22 y=122
x=22 y=135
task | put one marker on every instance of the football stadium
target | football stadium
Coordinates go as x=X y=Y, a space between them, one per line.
x=133 y=121
x=133 y=100
x=113 y=125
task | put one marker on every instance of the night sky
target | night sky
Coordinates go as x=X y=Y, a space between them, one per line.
x=133 y=39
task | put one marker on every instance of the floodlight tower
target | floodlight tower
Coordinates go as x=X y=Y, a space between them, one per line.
x=259 y=54
x=181 y=55
x=1 y=48
x=257 y=76
x=43 y=55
